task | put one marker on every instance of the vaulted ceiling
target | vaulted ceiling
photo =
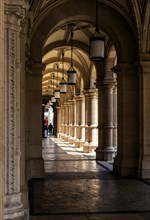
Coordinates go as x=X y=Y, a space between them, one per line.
x=58 y=39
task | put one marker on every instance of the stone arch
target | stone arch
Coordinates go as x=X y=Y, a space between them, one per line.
x=112 y=23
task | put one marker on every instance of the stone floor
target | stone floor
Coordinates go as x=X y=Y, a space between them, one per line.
x=77 y=187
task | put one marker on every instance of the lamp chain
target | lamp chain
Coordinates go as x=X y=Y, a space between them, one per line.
x=97 y=28
x=72 y=49
x=63 y=65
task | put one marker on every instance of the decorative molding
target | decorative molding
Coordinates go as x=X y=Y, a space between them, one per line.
x=15 y=16
x=11 y=110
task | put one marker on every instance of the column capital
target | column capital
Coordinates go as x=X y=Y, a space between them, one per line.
x=34 y=68
x=126 y=68
x=58 y=107
x=145 y=66
x=79 y=97
x=15 y=14
x=71 y=101
x=144 y=57
x=90 y=92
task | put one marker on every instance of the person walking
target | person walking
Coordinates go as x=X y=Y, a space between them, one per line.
x=50 y=127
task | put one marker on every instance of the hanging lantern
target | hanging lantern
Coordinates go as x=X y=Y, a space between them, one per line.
x=63 y=84
x=71 y=72
x=97 y=43
x=71 y=76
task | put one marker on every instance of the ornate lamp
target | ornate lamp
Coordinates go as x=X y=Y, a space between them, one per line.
x=97 y=43
x=71 y=72
x=57 y=91
x=63 y=84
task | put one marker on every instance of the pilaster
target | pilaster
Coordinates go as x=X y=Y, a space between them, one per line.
x=34 y=160
x=144 y=159
x=126 y=161
x=14 y=15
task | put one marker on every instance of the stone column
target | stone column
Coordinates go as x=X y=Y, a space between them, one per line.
x=105 y=150
x=144 y=151
x=74 y=121
x=71 y=121
x=2 y=110
x=80 y=120
x=91 y=120
x=66 y=120
x=59 y=122
x=115 y=117
x=126 y=160
x=34 y=161
x=13 y=207
x=62 y=121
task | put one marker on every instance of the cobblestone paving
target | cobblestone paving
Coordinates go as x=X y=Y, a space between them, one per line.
x=78 y=187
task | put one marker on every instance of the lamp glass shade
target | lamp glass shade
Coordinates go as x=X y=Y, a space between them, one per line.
x=57 y=94
x=97 y=48
x=53 y=99
x=63 y=86
x=71 y=77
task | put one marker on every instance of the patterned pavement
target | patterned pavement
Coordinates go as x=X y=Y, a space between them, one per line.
x=77 y=187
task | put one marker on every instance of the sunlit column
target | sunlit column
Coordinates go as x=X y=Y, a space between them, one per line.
x=74 y=121
x=66 y=122
x=71 y=121
x=62 y=122
x=80 y=120
x=91 y=120
x=59 y=122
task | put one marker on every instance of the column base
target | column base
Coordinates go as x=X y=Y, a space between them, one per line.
x=66 y=138
x=106 y=154
x=79 y=143
x=71 y=141
x=125 y=167
x=26 y=214
x=35 y=168
x=88 y=147
x=144 y=170
x=13 y=208
x=58 y=135
x=61 y=136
